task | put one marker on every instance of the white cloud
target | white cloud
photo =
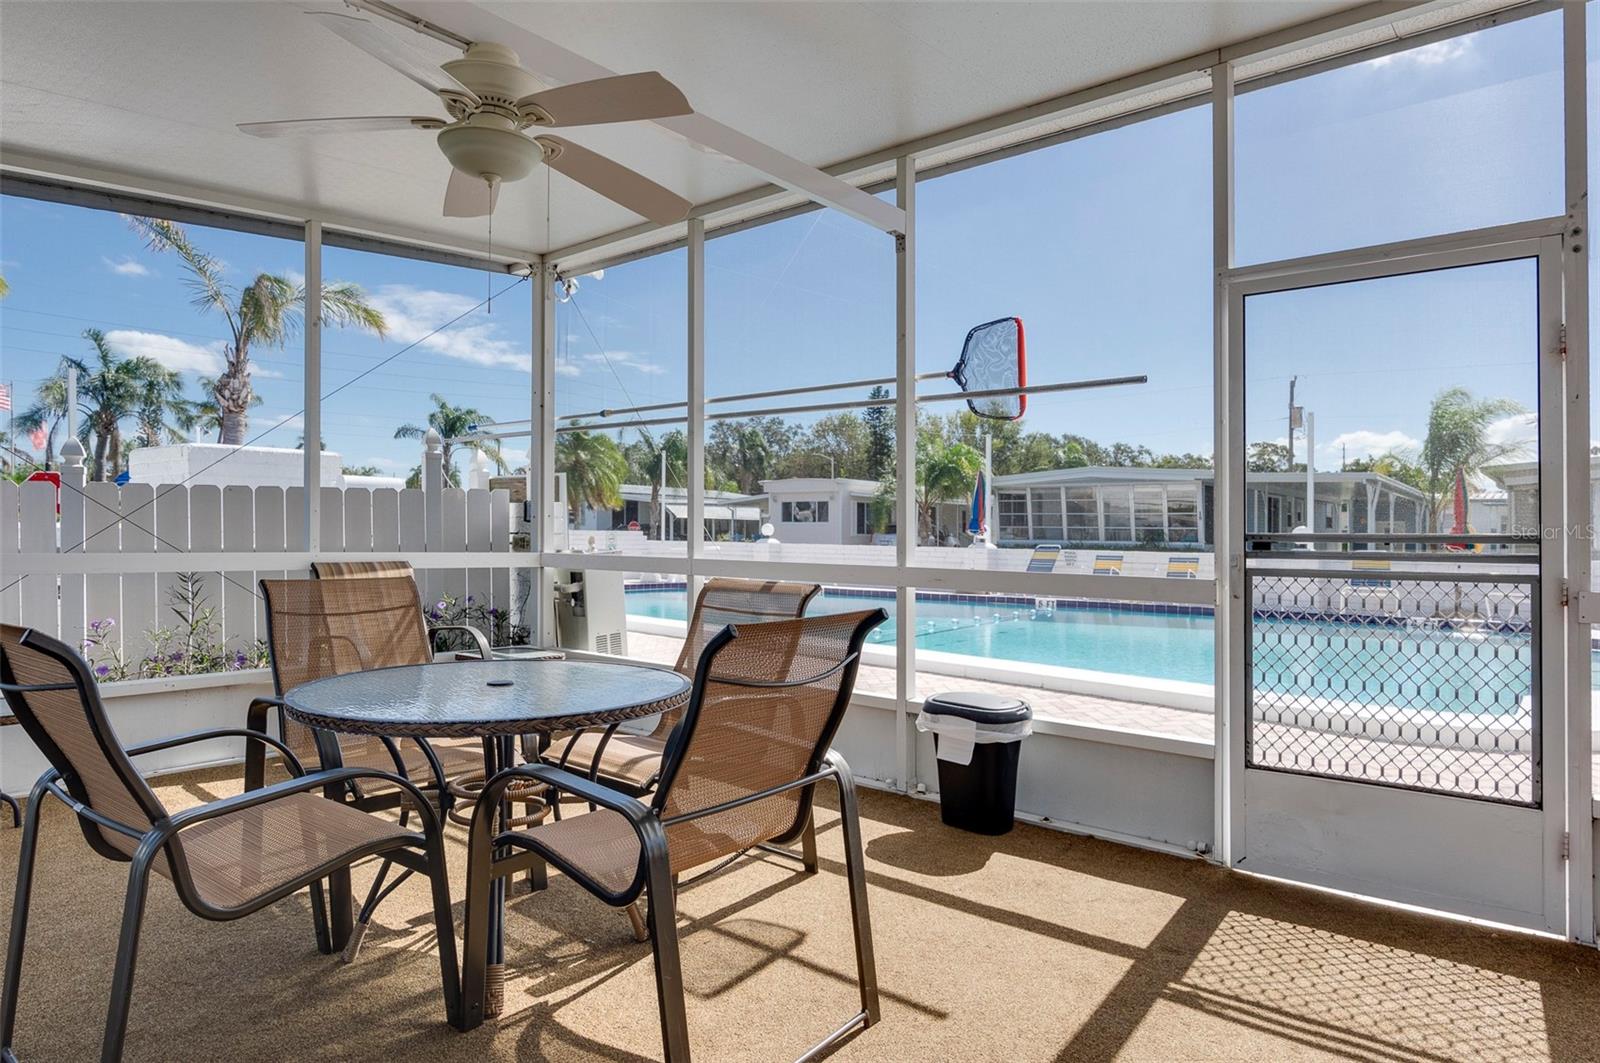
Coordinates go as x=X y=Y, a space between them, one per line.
x=384 y=463
x=1435 y=54
x=1520 y=430
x=168 y=350
x=1366 y=443
x=259 y=370
x=413 y=315
x=564 y=367
x=624 y=360
x=126 y=267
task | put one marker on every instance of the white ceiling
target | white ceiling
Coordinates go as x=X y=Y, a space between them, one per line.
x=152 y=90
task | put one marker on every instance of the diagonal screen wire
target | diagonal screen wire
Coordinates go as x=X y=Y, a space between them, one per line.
x=127 y=517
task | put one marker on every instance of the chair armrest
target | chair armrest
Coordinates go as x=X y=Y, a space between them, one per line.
x=295 y=767
x=604 y=796
x=331 y=778
x=485 y=651
x=255 y=755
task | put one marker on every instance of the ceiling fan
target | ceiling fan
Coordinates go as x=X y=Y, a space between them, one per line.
x=492 y=102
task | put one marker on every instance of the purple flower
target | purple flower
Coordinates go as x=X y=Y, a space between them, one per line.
x=440 y=605
x=110 y=622
x=102 y=670
x=493 y=611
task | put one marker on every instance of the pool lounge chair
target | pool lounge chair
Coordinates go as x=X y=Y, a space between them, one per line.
x=1044 y=558
x=1183 y=566
x=1107 y=564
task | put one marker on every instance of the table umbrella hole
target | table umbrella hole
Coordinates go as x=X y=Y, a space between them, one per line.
x=499 y=682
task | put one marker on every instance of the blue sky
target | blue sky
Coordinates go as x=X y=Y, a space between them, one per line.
x=1101 y=245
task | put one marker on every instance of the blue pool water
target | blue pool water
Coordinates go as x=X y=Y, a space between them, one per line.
x=1487 y=673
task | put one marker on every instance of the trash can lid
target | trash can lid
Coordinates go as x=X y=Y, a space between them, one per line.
x=980 y=706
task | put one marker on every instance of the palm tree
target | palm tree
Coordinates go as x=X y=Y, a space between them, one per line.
x=675 y=446
x=945 y=473
x=207 y=412
x=452 y=422
x=595 y=468
x=5 y=289
x=1458 y=442
x=265 y=312
x=116 y=388
x=49 y=409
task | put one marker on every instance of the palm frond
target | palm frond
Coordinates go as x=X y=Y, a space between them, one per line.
x=345 y=305
x=205 y=270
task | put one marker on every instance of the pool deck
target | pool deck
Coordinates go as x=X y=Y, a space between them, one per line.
x=1056 y=705
x=1491 y=771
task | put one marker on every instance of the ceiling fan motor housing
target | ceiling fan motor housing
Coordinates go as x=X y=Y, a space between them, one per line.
x=489 y=151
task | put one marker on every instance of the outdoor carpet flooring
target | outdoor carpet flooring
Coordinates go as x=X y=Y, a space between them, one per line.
x=1035 y=946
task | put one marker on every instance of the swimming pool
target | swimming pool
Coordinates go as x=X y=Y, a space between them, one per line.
x=1485 y=673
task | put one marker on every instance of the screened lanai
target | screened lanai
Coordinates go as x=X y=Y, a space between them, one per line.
x=1035 y=326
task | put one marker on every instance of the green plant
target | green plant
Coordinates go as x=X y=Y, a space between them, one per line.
x=493 y=621
x=193 y=646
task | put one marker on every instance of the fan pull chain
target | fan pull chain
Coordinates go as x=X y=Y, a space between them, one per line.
x=488 y=277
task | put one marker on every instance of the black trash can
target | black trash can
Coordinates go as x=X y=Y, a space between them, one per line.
x=979 y=796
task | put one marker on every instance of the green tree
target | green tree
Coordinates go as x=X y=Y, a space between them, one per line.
x=595 y=468
x=265 y=313
x=1073 y=455
x=880 y=436
x=113 y=389
x=48 y=410
x=946 y=472
x=1458 y=442
x=1271 y=457
x=644 y=466
x=452 y=422
x=1394 y=465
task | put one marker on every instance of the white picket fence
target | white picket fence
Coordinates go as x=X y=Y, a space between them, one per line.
x=115 y=553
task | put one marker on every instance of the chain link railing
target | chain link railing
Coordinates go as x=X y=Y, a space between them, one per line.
x=1426 y=678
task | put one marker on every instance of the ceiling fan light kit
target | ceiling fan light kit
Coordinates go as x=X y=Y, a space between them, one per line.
x=491 y=101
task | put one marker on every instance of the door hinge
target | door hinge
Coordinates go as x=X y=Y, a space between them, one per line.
x=1566 y=845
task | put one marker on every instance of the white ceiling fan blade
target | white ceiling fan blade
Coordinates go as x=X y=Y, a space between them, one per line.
x=467 y=196
x=616 y=182
x=306 y=126
x=625 y=98
x=390 y=50
x=559 y=64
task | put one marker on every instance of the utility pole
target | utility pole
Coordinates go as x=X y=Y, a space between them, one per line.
x=1292 y=425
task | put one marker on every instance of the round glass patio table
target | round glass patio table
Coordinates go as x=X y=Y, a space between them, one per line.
x=493 y=700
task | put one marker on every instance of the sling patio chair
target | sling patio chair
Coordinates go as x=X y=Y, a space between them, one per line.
x=632 y=762
x=5 y=798
x=226 y=859
x=739 y=771
x=481 y=648
x=324 y=627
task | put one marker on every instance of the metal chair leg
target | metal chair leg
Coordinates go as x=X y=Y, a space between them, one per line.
x=127 y=954
x=444 y=927
x=641 y=932
x=16 y=810
x=856 y=875
x=319 y=918
x=663 y=927
x=808 y=843
x=352 y=948
x=19 y=923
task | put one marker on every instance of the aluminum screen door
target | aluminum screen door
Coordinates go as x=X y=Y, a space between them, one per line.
x=1389 y=703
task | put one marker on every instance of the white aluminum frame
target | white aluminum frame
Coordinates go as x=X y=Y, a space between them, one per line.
x=944 y=151
x=1443 y=817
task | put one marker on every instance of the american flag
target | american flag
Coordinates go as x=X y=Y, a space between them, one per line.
x=5 y=397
